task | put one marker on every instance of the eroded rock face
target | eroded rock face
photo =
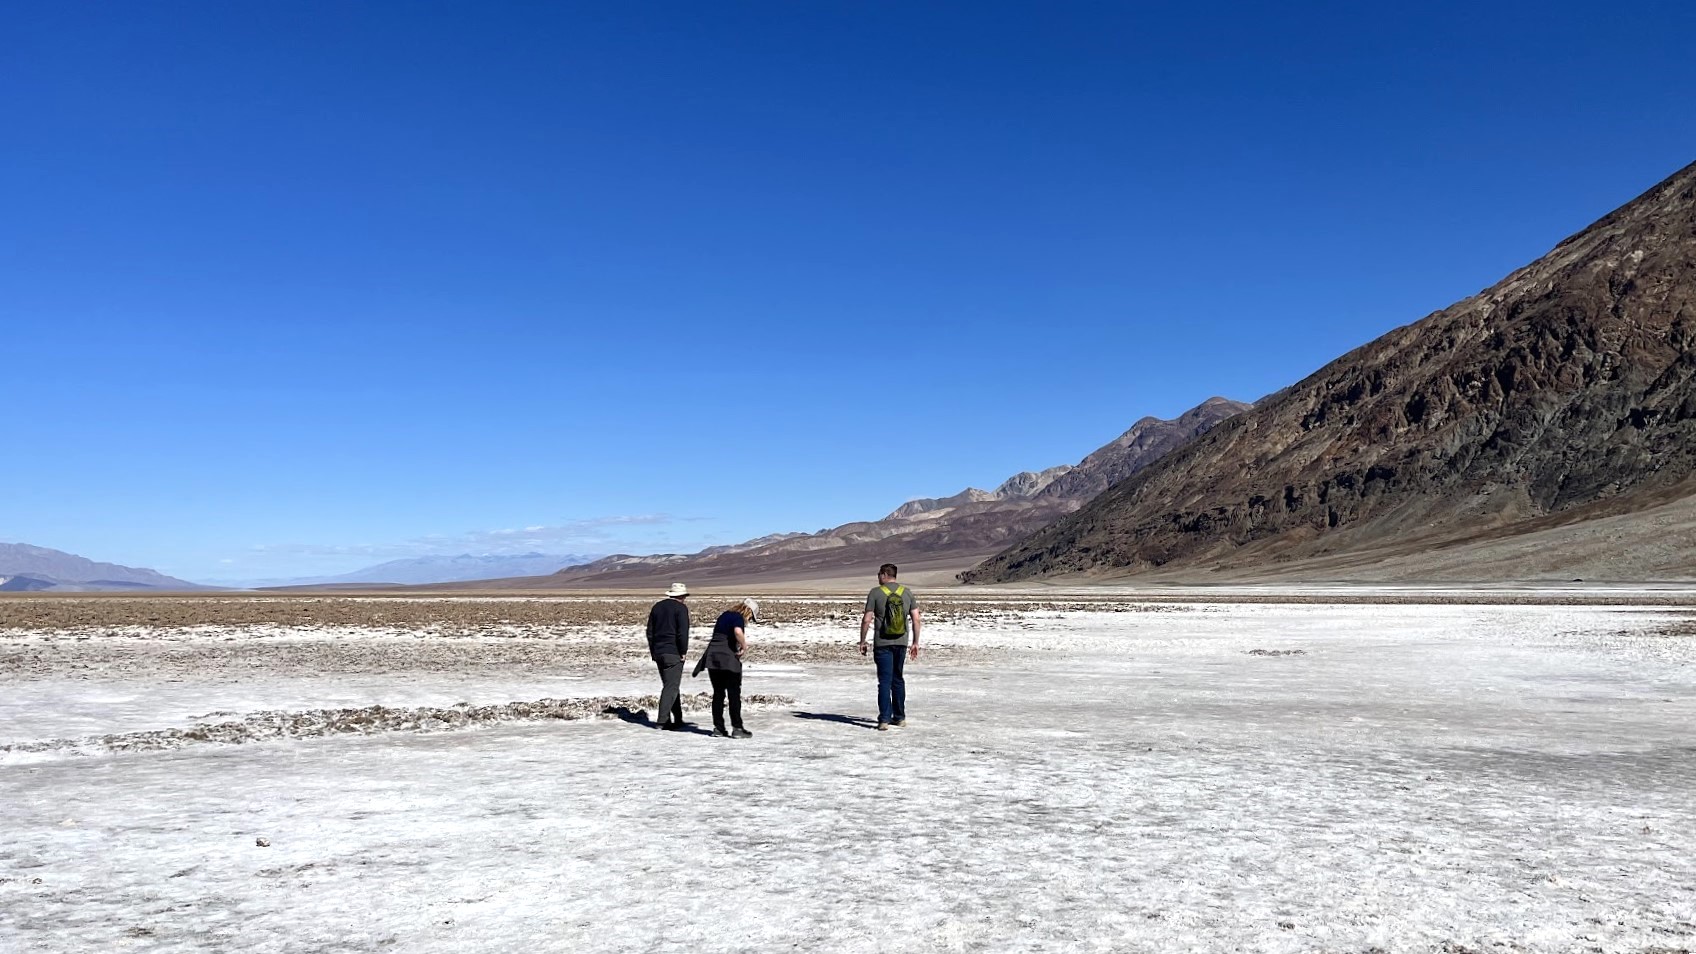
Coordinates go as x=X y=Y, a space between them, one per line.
x=1147 y=441
x=1031 y=483
x=1567 y=390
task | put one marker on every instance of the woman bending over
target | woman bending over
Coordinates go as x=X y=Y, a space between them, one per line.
x=723 y=660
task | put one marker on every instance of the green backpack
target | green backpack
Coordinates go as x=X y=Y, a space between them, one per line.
x=895 y=612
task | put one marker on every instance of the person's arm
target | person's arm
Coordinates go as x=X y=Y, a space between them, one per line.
x=913 y=650
x=865 y=626
x=683 y=631
x=652 y=614
x=741 y=642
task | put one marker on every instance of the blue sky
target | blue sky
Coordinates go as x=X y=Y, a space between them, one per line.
x=291 y=288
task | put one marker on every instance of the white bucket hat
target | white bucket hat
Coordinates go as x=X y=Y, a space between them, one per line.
x=677 y=589
x=753 y=608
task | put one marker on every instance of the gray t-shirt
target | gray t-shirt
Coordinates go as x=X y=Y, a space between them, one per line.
x=877 y=604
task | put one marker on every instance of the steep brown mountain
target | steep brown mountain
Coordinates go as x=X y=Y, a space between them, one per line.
x=1562 y=395
x=943 y=534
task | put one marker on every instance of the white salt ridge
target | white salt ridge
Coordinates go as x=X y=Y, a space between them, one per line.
x=369 y=720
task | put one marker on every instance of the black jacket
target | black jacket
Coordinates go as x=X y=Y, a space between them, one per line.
x=668 y=628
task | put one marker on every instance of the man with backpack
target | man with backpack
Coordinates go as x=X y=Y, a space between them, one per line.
x=894 y=610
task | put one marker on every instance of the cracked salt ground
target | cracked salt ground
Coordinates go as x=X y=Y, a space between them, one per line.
x=1419 y=779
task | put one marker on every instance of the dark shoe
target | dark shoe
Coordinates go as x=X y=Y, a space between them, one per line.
x=671 y=726
x=741 y=733
x=720 y=734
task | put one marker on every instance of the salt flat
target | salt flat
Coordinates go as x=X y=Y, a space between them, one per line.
x=1103 y=775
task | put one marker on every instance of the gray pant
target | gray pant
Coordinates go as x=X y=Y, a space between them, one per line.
x=671 y=688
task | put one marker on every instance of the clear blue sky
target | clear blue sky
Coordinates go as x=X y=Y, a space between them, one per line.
x=290 y=288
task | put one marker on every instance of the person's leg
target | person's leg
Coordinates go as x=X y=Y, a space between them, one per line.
x=671 y=690
x=885 y=673
x=898 y=684
x=733 y=682
x=659 y=708
x=721 y=684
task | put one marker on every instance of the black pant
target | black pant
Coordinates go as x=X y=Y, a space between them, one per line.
x=726 y=683
x=671 y=688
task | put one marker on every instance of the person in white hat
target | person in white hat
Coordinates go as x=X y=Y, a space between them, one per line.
x=668 y=643
x=723 y=662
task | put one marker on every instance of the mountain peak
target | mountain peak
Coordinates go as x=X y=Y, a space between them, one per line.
x=1030 y=483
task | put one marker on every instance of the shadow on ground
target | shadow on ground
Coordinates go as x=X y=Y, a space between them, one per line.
x=640 y=717
x=836 y=717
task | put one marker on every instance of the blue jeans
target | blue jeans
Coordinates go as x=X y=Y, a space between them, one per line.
x=891 y=685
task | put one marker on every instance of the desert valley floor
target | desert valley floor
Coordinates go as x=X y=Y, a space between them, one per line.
x=1266 y=770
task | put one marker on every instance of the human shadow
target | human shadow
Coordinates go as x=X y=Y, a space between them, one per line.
x=855 y=721
x=640 y=717
x=632 y=716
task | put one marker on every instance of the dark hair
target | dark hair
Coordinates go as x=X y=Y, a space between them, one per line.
x=888 y=569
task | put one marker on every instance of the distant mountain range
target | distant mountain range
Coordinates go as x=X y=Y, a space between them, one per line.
x=442 y=569
x=939 y=532
x=26 y=568
x=1543 y=428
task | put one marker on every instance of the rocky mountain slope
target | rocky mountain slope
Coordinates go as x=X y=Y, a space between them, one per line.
x=26 y=568
x=1565 y=393
x=1147 y=441
x=954 y=531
